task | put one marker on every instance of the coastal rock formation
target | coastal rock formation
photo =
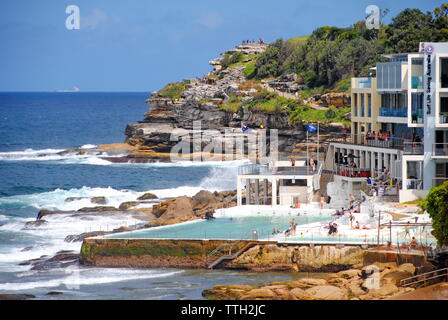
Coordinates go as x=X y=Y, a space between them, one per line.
x=98 y=200
x=337 y=99
x=345 y=285
x=62 y=259
x=147 y=196
x=128 y=204
x=200 y=99
x=185 y=208
x=303 y=258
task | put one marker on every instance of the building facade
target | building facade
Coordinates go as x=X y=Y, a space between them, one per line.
x=399 y=123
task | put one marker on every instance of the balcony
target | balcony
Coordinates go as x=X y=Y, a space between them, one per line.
x=347 y=171
x=413 y=148
x=440 y=149
x=443 y=118
x=362 y=83
x=394 y=112
x=378 y=141
x=414 y=184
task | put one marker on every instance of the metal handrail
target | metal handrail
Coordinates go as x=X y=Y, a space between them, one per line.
x=405 y=283
x=379 y=141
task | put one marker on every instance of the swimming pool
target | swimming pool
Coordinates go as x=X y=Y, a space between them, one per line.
x=237 y=228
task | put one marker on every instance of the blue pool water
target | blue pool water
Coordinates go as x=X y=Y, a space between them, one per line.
x=223 y=228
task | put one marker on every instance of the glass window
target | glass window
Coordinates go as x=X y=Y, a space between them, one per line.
x=369 y=105
x=444 y=73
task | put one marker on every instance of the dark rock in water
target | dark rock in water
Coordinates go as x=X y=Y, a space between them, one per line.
x=147 y=196
x=98 y=209
x=8 y=296
x=31 y=261
x=128 y=204
x=53 y=293
x=70 y=199
x=42 y=213
x=60 y=260
x=35 y=224
x=82 y=236
x=123 y=229
x=98 y=200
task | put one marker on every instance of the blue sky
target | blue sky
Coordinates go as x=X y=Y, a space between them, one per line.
x=140 y=45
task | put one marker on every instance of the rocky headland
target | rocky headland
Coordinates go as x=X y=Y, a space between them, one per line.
x=351 y=284
x=224 y=100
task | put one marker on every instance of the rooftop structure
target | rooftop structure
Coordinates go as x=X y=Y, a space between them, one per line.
x=279 y=183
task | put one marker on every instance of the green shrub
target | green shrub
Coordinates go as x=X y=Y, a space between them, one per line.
x=436 y=204
x=230 y=59
x=331 y=112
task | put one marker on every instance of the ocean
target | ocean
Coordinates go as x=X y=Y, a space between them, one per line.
x=34 y=128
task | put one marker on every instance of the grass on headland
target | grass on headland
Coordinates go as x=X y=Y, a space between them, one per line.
x=271 y=102
x=174 y=90
x=332 y=114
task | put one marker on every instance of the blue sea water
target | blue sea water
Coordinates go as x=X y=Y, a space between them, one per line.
x=34 y=127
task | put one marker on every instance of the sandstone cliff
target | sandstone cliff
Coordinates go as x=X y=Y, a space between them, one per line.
x=214 y=100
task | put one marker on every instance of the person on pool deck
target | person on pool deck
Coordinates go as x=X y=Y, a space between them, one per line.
x=407 y=229
x=413 y=244
x=390 y=246
x=351 y=217
x=331 y=230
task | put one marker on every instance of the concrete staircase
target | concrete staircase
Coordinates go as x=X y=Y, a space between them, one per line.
x=227 y=246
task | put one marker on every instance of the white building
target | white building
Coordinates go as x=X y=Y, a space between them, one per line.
x=408 y=102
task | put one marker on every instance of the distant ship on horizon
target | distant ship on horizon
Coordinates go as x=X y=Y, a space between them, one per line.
x=75 y=89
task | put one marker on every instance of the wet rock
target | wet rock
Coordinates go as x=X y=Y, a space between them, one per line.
x=147 y=196
x=9 y=296
x=53 y=293
x=99 y=209
x=35 y=224
x=42 y=213
x=70 y=199
x=98 y=200
x=62 y=259
x=128 y=204
x=82 y=236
